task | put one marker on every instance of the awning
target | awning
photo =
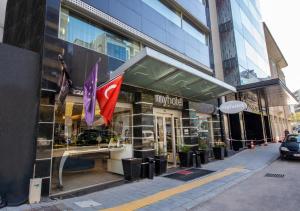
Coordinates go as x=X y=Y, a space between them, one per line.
x=158 y=72
x=275 y=90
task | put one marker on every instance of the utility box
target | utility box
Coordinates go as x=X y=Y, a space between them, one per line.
x=35 y=190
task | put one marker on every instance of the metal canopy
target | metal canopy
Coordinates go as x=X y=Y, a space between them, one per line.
x=155 y=71
x=276 y=92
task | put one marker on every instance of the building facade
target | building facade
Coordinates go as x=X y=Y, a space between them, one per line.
x=246 y=65
x=179 y=59
x=168 y=98
x=279 y=114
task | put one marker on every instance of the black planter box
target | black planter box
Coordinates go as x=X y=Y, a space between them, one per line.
x=160 y=164
x=144 y=154
x=204 y=154
x=186 y=159
x=132 y=168
x=219 y=153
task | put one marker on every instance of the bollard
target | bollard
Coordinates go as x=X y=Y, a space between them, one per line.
x=194 y=160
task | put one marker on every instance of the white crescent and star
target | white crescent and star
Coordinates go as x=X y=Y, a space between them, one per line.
x=113 y=86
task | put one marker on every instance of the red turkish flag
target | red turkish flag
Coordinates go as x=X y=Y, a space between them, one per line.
x=107 y=97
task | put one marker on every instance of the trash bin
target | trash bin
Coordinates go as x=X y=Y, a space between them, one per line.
x=198 y=159
x=160 y=164
x=151 y=167
x=144 y=169
x=132 y=168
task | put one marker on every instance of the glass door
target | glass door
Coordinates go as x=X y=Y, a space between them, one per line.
x=168 y=135
x=170 y=141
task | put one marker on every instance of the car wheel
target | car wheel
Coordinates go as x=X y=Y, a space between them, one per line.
x=282 y=157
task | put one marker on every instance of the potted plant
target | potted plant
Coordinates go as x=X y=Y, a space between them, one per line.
x=219 y=149
x=185 y=156
x=204 y=151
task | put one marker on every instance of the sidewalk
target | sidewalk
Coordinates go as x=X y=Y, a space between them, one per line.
x=163 y=193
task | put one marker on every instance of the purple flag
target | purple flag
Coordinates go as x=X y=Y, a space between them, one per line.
x=89 y=95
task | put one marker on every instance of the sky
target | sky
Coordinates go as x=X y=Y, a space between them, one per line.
x=282 y=18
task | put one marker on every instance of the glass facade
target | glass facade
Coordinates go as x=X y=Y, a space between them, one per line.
x=244 y=49
x=86 y=34
x=89 y=154
x=250 y=42
x=164 y=10
x=178 y=18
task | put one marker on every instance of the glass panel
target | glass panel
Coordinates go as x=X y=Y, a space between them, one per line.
x=89 y=154
x=81 y=32
x=192 y=30
x=178 y=135
x=175 y=81
x=46 y=113
x=147 y=71
x=43 y=149
x=160 y=136
x=169 y=139
x=165 y=11
x=45 y=131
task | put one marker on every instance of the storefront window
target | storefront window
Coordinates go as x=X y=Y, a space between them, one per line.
x=79 y=31
x=91 y=155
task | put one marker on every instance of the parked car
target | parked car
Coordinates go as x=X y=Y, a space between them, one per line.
x=95 y=137
x=290 y=148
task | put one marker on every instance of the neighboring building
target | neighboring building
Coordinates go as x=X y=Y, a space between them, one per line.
x=280 y=113
x=297 y=95
x=246 y=66
x=2 y=17
x=168 y=98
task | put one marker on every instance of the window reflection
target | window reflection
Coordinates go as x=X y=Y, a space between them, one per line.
x=71 y=129
x=83 y=33
x=192 y=30
x=164 y=10
x=176 y=17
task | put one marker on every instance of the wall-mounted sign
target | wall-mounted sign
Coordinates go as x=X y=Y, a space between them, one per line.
x=251 y=99
x=233 y=107
x=168 y=101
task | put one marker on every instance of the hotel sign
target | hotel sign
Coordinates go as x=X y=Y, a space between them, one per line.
x=168 y=101
x=233 y=107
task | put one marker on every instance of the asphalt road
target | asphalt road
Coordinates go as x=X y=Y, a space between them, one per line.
x=260 y=193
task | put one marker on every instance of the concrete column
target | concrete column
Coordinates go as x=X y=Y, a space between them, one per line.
x=215 y=37
x=142 y=118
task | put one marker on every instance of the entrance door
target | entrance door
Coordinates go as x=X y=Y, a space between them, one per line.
x=168 y=134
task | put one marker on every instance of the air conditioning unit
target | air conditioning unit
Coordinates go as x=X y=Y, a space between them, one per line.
x=35 y=190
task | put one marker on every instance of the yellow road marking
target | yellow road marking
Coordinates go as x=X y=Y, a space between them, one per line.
x=133 y=205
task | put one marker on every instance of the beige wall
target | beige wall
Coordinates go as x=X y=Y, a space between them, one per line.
x=2 y=17
x=216 y=40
